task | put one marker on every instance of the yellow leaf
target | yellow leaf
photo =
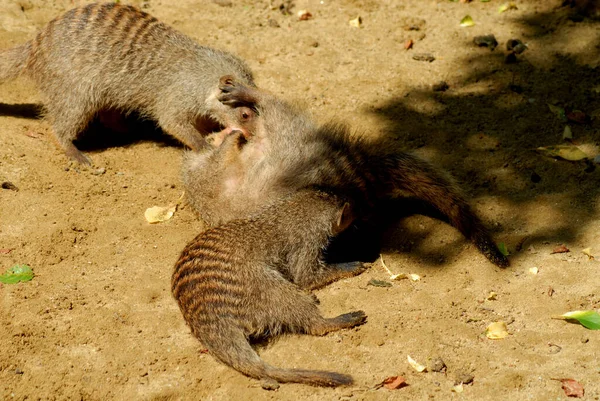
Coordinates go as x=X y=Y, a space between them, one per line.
x=496 y=331
x=507 y=6
x=467 y=21
x=157 y=214
x=567 y=152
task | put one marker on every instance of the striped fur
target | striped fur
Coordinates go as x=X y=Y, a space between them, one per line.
x=289 y=151
x=247 y=279
x=111 y=56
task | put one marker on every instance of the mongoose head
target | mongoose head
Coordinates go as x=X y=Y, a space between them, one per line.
x=232 y=117
x=270 y=115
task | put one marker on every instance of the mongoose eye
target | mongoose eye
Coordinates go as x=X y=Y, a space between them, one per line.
x=245 y=115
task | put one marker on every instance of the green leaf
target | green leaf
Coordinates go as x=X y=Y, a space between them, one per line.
x=567 y=152
x=485 y=1
x=587 y=318
x=467 y=21
x=17 y=273
x=503 y=249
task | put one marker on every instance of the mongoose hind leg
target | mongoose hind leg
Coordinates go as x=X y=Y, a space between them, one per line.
x=68 y=121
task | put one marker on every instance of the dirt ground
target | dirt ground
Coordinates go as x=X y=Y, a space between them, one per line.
x=98 y=321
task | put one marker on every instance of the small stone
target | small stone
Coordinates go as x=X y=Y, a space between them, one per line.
x=516 y=46
x=464 y=378
x=554 y=349
x=99 y=171
x=486 y=41
x=19 y=371
x=9 y=185
x=223 y=3
x=585 y=340
x=379 y=283
x=273 y=23
x=436 y=365
x=424 y=57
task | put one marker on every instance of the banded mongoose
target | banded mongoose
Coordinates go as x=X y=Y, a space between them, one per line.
x=109 y=56
x=248 y=279
x=288 y=151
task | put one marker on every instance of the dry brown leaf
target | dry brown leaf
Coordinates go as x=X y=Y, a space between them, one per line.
x=560 y=249
x=572 y=388
x=394 y=382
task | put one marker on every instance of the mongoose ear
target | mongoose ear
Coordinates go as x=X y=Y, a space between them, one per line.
x=345 y=218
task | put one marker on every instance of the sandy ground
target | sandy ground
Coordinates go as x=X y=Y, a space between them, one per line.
x=98 y=321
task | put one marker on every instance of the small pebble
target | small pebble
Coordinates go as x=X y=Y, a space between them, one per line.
x=486 y=41
x=436 y=365
x=9 y=185
x=19 y=371
x=464 y=378
x=379 y=283
x=516 y=46
x=554 y=349
x=99 y=171
x=269 y=384
x=424 y=57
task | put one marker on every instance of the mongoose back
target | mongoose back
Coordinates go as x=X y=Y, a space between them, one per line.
x=247 y=279
x=289 y=151
x=111 y=56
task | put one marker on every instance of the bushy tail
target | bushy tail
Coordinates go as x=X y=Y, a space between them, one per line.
x=13 y=61
x=231 y=347
x=406 y=174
